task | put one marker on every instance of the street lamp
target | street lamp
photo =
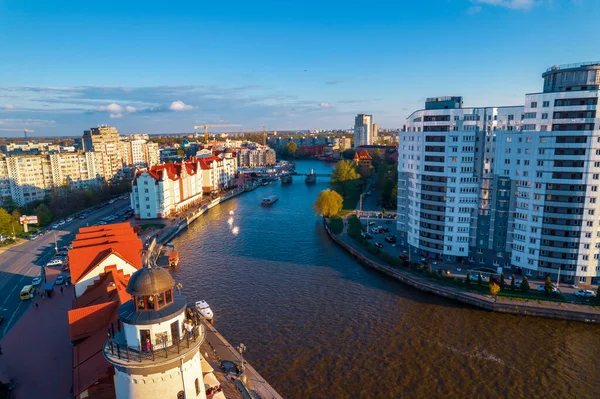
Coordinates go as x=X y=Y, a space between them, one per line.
x=242 y=348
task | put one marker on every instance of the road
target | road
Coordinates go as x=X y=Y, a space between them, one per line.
x=20 y=263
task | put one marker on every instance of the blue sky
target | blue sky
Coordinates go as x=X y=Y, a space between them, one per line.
x=160 y=66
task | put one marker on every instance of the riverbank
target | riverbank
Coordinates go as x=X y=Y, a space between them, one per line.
x=561 y=311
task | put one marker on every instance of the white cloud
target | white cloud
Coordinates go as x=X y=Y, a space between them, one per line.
x=324 y=105
x=130 y=109
x=116 y=116
x=179 y=106
x=512 y=4
x=6 y=106
x=473 y=10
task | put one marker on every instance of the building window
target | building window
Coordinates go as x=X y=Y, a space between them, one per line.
x=546 y=104
x=534 y=104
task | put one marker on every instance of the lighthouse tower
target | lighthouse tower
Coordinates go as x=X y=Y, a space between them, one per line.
x=155 y=350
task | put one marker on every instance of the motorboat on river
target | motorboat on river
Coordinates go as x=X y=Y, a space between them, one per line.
x=270 y=200
x=204 y=310
x=311 y=177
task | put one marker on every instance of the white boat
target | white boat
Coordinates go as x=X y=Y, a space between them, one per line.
x=270 y=200
x=203 y=308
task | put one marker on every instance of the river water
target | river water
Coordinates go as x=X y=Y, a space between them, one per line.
x=318 y=325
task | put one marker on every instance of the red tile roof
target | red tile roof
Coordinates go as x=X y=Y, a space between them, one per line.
x=362 y=156
x=83 y=322
x=110 y=286
x=94 y=244
x=89 y=372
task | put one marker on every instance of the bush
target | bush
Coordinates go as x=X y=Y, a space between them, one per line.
x=354 y=227
x=548 y=285
x=336 y=225
x=479 y=279
x=525 y=285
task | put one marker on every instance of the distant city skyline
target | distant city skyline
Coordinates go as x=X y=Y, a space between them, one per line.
x=156 y=68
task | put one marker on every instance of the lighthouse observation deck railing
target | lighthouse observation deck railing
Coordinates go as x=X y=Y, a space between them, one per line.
x=117 y=350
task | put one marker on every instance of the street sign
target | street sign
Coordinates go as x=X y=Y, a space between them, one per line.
x=28 y=219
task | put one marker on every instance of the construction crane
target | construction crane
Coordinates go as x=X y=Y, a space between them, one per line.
x=25 y=131
x=207 y=126
x=264 y=136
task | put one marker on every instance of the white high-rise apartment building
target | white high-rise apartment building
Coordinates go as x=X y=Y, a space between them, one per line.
x=363 y=130
x=28 y=178
x=511 y=187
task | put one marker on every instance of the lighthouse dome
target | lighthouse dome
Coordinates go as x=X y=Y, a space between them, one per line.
x=150 y=281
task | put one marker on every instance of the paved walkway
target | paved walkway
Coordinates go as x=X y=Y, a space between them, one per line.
x=37 y=352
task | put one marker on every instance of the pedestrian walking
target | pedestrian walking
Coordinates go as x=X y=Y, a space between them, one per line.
x=37 y=305
x=61 y=290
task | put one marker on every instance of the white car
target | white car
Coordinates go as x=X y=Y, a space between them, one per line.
x=475 y=277
x=375 y=230
x=54 y=262
x=584 y=293
x=36 y=280
x=542 y=288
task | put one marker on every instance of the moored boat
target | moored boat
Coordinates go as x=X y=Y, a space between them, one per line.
x=270 y=200
x=286 y=179
x=311 y=177
x=173 y=259
x=204 y=310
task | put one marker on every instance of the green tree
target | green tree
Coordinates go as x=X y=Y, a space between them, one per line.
x=180 y=153
x=512 y=282
x=479 y=278
x=43 y=214
x=5 y=223
x=494 y=290
x=16 y=225
x=344 y=172
x=548 y=285
x=468 y=279
x=525 y=285
x=328 y=204
x=292 y=149
x=349 y=154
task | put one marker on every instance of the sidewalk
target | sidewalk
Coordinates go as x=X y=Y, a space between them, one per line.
x=37 y=351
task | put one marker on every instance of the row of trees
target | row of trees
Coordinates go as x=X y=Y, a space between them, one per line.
x=62 y=202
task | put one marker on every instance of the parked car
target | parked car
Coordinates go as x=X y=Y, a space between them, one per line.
x=379 y=245
x=371 y=223
x=375 y=230
x=69 y=219
x=386 y=229
x=59 y=280
x=390 y=239
x=54 y=262
x=542 y=288
x=584 y=293
x=366 y=235
x=36 y=280
x=475 y=277
x=518 y=284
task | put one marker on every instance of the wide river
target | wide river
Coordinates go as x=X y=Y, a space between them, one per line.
x=318 y=325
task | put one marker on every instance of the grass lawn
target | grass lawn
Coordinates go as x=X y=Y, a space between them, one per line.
x=336 y=225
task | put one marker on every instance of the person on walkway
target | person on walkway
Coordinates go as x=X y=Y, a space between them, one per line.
x=148 y=345
x=37 y=305
x=61 y=290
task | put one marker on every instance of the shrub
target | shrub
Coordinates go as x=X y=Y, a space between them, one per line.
x=479 y=279
x=525 y=285
x=548 y=285
x=336 y=225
